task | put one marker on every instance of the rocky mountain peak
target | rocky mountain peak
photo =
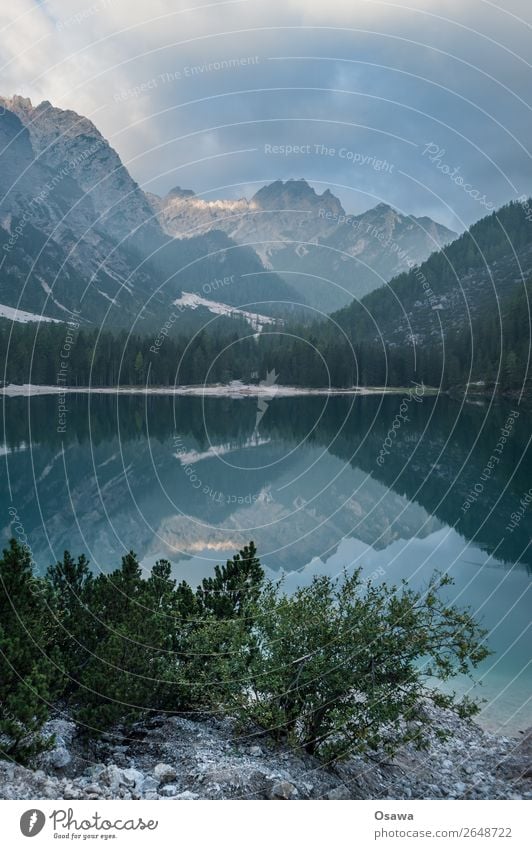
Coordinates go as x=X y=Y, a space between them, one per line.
x=20 y=176
x=70 y=144
x=64 y=121
x=295 y=194
x=16 y=102
x=177 y=193
x=384 y=207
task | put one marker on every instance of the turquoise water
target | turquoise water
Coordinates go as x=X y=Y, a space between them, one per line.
x=321 y=485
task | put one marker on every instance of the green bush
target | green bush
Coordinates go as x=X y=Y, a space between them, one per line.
x=338 y=666
x=342 y=665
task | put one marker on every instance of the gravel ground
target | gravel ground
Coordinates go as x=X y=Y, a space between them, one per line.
x=177 y=758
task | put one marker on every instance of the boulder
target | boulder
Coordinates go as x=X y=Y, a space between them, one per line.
x=168 y=790
x=113 y=777
x=134 y=777
x=340 y=792
x=518 y=763
x=283 y=790
x=58 y=758
x=149 y=785
x=164 y=773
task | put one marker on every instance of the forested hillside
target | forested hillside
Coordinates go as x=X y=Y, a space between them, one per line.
x=456 y=285
x=495 y=353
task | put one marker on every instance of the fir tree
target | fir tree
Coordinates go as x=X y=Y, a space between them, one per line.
x=75 y=631
x=28 y=676
x=233 y=585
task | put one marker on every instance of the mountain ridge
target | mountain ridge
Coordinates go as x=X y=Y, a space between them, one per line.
x=74 y=220
x=327 y=255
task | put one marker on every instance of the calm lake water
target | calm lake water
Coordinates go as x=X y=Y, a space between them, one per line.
x=321 y=484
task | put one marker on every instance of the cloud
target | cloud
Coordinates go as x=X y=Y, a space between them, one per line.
x=189 y=92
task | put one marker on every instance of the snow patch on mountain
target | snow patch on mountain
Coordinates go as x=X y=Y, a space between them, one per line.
x=24 y=317
x=255 y=320
x=327 y=255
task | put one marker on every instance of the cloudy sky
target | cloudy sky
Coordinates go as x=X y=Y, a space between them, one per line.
x=423 y=104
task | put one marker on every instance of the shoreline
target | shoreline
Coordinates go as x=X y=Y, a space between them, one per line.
x=232 y=390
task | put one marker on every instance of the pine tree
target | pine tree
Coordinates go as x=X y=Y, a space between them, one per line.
x=76 y=632
x=28 y=675
x=233 y=585
x=134 y=668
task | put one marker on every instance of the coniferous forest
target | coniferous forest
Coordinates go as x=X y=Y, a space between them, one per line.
x=496 y=351
x=465 y=319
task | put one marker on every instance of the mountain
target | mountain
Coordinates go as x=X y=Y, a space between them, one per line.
x=457 y=286
x=63 y=140
x=78 y=233
x=326 y=255
x=57 y=254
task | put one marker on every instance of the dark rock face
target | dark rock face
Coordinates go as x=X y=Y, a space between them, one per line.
x=178 y=758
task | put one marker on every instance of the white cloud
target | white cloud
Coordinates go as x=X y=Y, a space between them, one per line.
x=84 y=54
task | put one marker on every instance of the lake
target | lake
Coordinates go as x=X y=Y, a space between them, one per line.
x=399 y=485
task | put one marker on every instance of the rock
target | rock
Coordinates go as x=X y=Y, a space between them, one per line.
x=59 y=758
x=63 y=730
x=222 y=775
x=92 y=789
x=340 y=792
x=283 y=790
x=134 y=777
x=114 y=778
x=96 y=770
x=168 y=790
x=164 y=773
x=205 y=759
x=435 y=791
x=71 y=792
x=518 y=763
x=50 y=789
x=149 y=785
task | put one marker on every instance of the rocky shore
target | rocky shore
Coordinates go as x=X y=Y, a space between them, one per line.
x=179 y=758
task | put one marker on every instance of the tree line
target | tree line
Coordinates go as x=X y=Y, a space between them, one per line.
x=495 y=350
